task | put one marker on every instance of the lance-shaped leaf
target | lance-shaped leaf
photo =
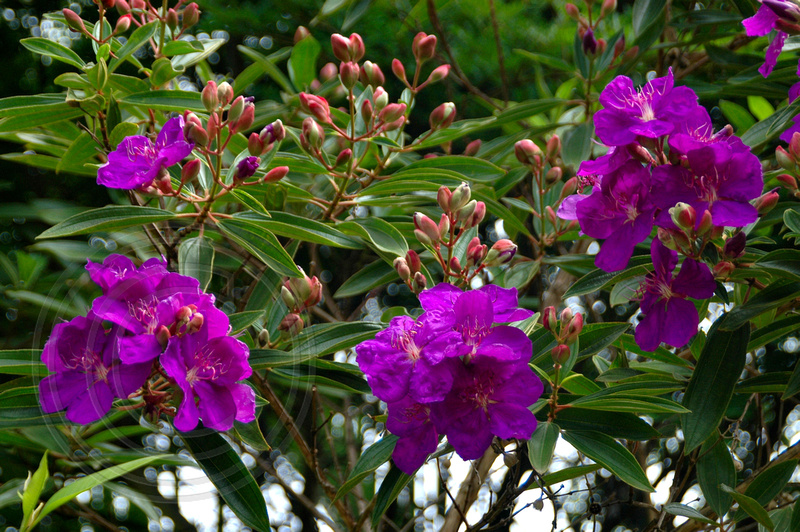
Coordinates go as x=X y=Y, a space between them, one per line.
x=715 y=468
x=606 y=451
x=109 y=218
x=375 y=456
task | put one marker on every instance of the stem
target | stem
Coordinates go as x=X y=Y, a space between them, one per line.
x=163 y=28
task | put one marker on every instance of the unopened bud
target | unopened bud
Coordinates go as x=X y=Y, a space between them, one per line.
x=255 y=146
x=787 y=27
x=473 y=148
x=455 y=265
x=291 y=324
x=570 y=187
x=245 y=120
x=343 y=158
x=553 y=147
x=789 y=182
x=195 y=133
x=785 y=160
x=551 y=215
x=477 y=215
x=402 y=269
x=263 y=338
x=108 y=4
x=766 y=202
x=549 y=319
x=527 y=152
x=619 y=46
x=734 y=246
x=372 y=75
x=275 y=175
x=632 y=52
x=123 y=7
x=191 y=14
x=460 y=197
x=138 y=4
x=356 y=47
x=427 y=226
x=553 y=175
x=224 y=93
x=566 y=316
x=348 y=74
x=300 y=33
x=589 y=43
x=444 y=226
x=443 y=116
x=209 y=96
x=464 y=214
x=236 y=110
x=172 y=19
x=572 y=11
x=195 y=323
x=340 y=44
x=684 y=216
x=560 y=354
x=423 y=47
x=501 y=253
x=313 y=133
x=574 y=329
x=794 y=145
x=476 y=252
x=74 y=21
x=381 y=99
x=392 y=112
x=190 y=170
x=706 y=223
x=723 y=269
x=420 y=283
x=246 y=168
x=413 y=261
x=443 y=198
x=162 y=336
x=608 y=7
x=366 y=110
x=212 y=126
x=640 y=153
x=123 y=23
x=316 y=106
x=438 y=74
x=184 y=314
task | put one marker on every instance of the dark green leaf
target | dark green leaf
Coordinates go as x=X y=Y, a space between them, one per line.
x=379 y=273
x=226 y=471
x=676 y=508
x=303 y=62
x=645 y=14
x=606 y=451
x=165 y=100
x=196 y=259
x=715 y=468
x=40 y=116
x=262 y=244
x=301 y=228
x=542 y=445
x=137 y=39
x=375 y=456
x=782 y=262
x=768 y=299
x=578 y=144
x=568 y=474
x=59 y=52
x=392 y=485
x=598 y=279
x=712 y=383
x=751 y=507
x=470 y=167
x=22 y=362
x=768 y=484
x=383 y=235
x=82 y=150
x=109 y=218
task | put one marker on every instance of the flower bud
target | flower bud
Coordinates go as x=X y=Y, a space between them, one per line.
x=413 y=261
x=209 y=96
x=275 y=175
x=570 y=187
x=501 y=253
x=381 y=99
x=274 y=132
x=291 y=324
x=553 y=147
x=706 y=223
x=476 y=252
x=190 y=170
x=401 y=267
x=787 y=27
x=427 y=226
x=572 y=11
x=723 y=269
x=348 y=74
x=316 y=106
x=619 y=46
x=443 y=116
x=608 y=7
x=423 y=47
x=455 y=265
x=396 y=124
x=108 y=4
x=123 y=7
x=343 y=158
x=438 y=74
x=392 y=112
x=399 y=70
x=444 y=226
x=789 y=182
x=162 y=336
x=263 y=338
x=464 y=214
x=313 y=133
x=419 y=283
x=255 y=146
x=794 y=145
x=246 y=119
x=246 y=168
x=372 y=75
x=566 y=316
x=74 y=21
x=785 y=160
x=553 y=175
x=666 y=238
x=366 y=110
x=164 y=183
x=560 y=354
x=734 y=246
x=122 y=25
x=684 y=216
x=589 y=43
x=212 y=127
x=191 y=14
x=356 y=47
x=574 y=329
x=477 y=215
x=195 y=323
x=237 y=107
x=300 y=33
x=473 y=148
x=766 y=202
x=224 y=93
x=551 y=215
x=460 y=197
x=527 y=152
x=443 y=198
x=549 y=320
x=193 y=132
x=172 y=19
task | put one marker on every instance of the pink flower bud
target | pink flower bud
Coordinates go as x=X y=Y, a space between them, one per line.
x=706 y=223
x=246 y=119
x=574 y=329
x=212 y=127
x=723 y=269
x=560 y=354
x=570 y=187
x=328 y=72
x=191 y=14
x=255 y=146
x=381 y=99
x=246 y=168
x=209 y=96
x=476 y=252
x=224 y=93
x=443 y=116
x=366 y=110
x=423 y=47
x=123 y=8
x=396 y=124
x=291 y=324
x=501 y=253
x=340 y=45
x=162 y=336
x=684 y=216
x=108 y=4
x=766 y=202
x=195 y=323
x=785 y=159
x=444 y=226
x=413 y=261
x=164 y=184
x=237 y=107
x=190 y=170
x=477 y=215
x=316 y=106
x=473 y=148
x=443 y=198
x=371 y=74
x=460 y=197
x=619 y=46
x=74 y=20
x=276 y=174
x=608 y=7
x=572 y=11
x=527 y=152
x=427 y=226
x=195 y=133
x=455 y=265
x=566 y=317
x=438 y=74
x=549 y=320
x=172 y=19
x=553 y=175
x=402 y=269
x=789 y=182
x=553 y=147
x=734 y=246
x=313 y=133
x=419 y=284
x=343 y=158
x=300 y=33
x=355 y=47
x=123 y=23
x=399 y=70
x=348 y=74
x=392 y=112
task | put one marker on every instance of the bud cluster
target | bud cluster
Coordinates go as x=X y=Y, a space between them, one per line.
x=299 y=294
x=789 y=160
x=408 y=268
x=566 y=328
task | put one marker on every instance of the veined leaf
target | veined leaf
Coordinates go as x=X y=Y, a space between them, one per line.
x=375 y=456
x=606 y=451
x=109 y=218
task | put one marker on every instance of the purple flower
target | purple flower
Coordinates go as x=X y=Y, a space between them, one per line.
x=115 y=269
x=88 y=372
x=668 y=316
x=651 y=112
x=408 y=359
x=718 y=179
x=137 y=161
x=621 y=212
x=489 y=398
x=442 y=298
x=247 y=167
x=697 y=131
x=207 y=370
x=418 y=437
x=771 y=15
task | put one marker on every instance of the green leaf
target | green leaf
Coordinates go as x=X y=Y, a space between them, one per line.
x=772 y=332
x=715 y=468
x=173 y=48
x=375 y=456
x=162 y=72
x=782 y=262
x=712 y=383
x=606 y=451
x=67 y=493
x=751 y=507
x=615 y=424
x=184 y=61
x=373 y=275
x=269 y=67
x=392 y=485
x=637 y=404
x=262 y=244
x=760 y=107
x=82 y=150
x=242 y=320
x=303 y=62
x=597 y=336
x=33 y=489
x=568 y=474
x=738 y=116
x=519 y=275
x=768 y=484
x=598 y=279
x=165 y=100
x=645 y=14
x=336 y=375
x=578 y=144
x=22 y=362
x=59 y=52
x=542 y=445
x=9 y=492
x=196 y=259
x=676 y=508
x=40 y=116
x=248 y=200
x=22 y=105
x=768 y=299
x=383 y=235
x=109 y=218
x=470 y=167
x=326 y=338
x=301 y=228
x=225 y=469
x=137 y=39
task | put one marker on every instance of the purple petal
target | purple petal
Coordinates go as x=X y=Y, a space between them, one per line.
x=56 y=392
x=505 y=304
x=761 y=23
x=616 y=251
x=410 y=453
x=680 y=322
x=442 y=296
x=649 y=330
x=471 y=435
x=733 y=213
x=139 y=348
x=664 y=259
x=245 y=399
x=124 y=379
x=568 y=208
x=474 y=313
x=92 y=405
x=787 y=135
x=430 y=383
x=773 y=51
x=612 y=127
x=508 y=421
x=506 y=343
x=217 y=407
x=694 y=280
x=188 y=415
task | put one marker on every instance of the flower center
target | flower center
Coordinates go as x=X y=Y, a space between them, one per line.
x=206 y=366
x=144 y=311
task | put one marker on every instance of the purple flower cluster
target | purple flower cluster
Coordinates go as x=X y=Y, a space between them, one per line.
x=137 y=161
x=148 y=321
x=776 y=15
x=454 y=371
x=663 y=155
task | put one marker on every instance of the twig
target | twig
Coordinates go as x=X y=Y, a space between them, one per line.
x=500 y=59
